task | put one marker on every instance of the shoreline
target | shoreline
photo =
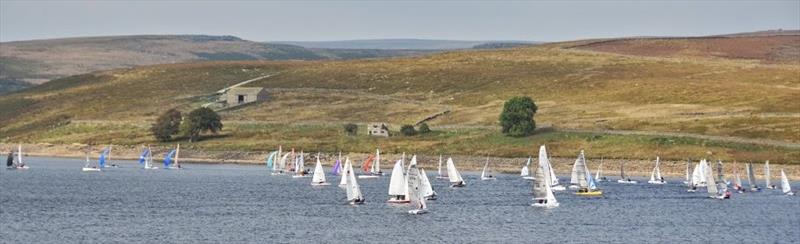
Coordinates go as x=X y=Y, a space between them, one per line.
x=562 y=166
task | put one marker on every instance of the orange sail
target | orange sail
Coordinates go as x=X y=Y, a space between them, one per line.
x=367 y=166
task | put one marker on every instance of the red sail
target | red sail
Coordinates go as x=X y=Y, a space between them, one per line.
x=368 y=164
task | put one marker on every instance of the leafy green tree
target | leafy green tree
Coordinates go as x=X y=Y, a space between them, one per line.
x=351 y=129
x=166 y=125
x=202 y=120
x=423 y=128
x=408 y=130
x=517 y=116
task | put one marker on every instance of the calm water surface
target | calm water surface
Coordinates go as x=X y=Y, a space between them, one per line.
x=54 y=202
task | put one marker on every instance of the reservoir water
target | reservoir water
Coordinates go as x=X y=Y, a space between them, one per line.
x=54 y=202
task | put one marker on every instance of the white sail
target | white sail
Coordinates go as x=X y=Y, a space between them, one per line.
x=573 y=180
x=427 y=188
x=737 y=183
x=542 y=192
x=283 y=162
x=655 y=175
x=440 y=166
x=688 y=173
x=751 y=178
x=346 y=167
x=598 y=175
x=698 y=175
x=414 y=186
x=767 y=176
x=452 y=172
x=485 y=174
x=397 y=182
x=580 y=171
x=544 y=160
x=785 y=186
x=19 y=155
x=711 y=184
x=319 y=173
x=525 y=171
x=353 y=190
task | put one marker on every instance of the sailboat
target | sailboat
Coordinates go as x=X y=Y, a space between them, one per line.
x=300 y=168
x=737 y=180
x=271 y=161
x=751 y=178
x=717 y=191
x=415 y=190
x=369 y=167
x=545 y=162
x=398 y=188
x=785 y=186
x=354 y=195
x=655 y=175
x=319 y=175
x=171 y=160
x=442 y=173
x=146 y=159
x=281 y=167
x=599 y=176
x=586 y=184
x=767 y=176
x=623 y=179
x=455 y=176
x=18 y=163
x=688 y=180
x=88 y=167
x=484 y=174
x=698 y=178
x=542 y=192
x=525 y=172
x=427 y=188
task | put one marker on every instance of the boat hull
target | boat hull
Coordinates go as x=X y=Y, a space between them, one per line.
x=90 y=169
x=300 y=176
x=488 y=178
x=320 y=184
x=417 y=211
x=558 y=188
x=398 y=201
x=627 y=182
x=655 y=182
x=528 y=178
x=368 y=176
x=545 y=205
x=589 y=194
x=574 y=187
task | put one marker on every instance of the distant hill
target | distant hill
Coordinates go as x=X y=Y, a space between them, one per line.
x=765 y=46
x=26 y=63
x=418 y=44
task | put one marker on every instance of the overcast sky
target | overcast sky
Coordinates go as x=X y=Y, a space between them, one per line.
x=344 y=20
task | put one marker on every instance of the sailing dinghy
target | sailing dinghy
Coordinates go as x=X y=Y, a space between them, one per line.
x=542 y=192
x=545 y=161
x=688 y=173
x=171 y=160
x=455 y=176
x=785 y=186
x=300 y=169
x=354 y=195
x=737 y=180
x=146 y=159
x=587 y=186
x=427 y=188
x=415 y=189
x=525 y=172
x=337 y=167
x=715 y=190
x=698 y=178
x=442 y=173
x=623 y=179
x=487 y=175
x=398 y=188
x=768 y=176
x=11 y=163
x=751 y=178
x=573 y=179
x=88 y=167
x=655 y=175
x=319 y=175
x=599 y=176
x=343 y=181
x=371 y=167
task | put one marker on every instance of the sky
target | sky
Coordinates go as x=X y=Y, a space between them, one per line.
x=536 y=20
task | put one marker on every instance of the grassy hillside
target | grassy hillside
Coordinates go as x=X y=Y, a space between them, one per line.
x=38 y=61
x=575 y=89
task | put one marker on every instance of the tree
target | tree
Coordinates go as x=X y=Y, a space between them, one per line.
x=517 y=116
x=408 y=130
x=202 y=120
x=423 y=128
x=350 y=129
x=166 y=125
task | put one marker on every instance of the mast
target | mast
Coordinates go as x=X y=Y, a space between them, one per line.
x=19 y=154
x=177 y=153
x=767 y=175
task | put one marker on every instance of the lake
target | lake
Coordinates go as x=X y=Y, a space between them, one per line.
x=54 y=202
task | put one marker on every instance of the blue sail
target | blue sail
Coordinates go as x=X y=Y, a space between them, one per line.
x=271 y=159
x=168 y=158
x=337 y=167
x=102 y=160
x=590 y=179
x=143 y=157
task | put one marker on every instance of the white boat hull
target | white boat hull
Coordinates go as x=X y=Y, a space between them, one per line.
x=488 y=178
x=398 y=201
x=790 y=193
x=320 y=184
x=85 y=169
x=368 y=176
x=627 y=182
x=528 y=178
x=558 y=188
x=655 y=182
x=300 y=176
x=545 y=205
x=574 y=187
x=417 y=211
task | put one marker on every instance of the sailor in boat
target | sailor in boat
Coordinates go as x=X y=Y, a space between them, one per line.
x=459 y=184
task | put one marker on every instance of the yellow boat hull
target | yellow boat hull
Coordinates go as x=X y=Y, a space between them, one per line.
x=590 y=193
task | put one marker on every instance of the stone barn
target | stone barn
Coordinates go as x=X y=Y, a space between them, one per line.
x=378 y=129
x=242 y=95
